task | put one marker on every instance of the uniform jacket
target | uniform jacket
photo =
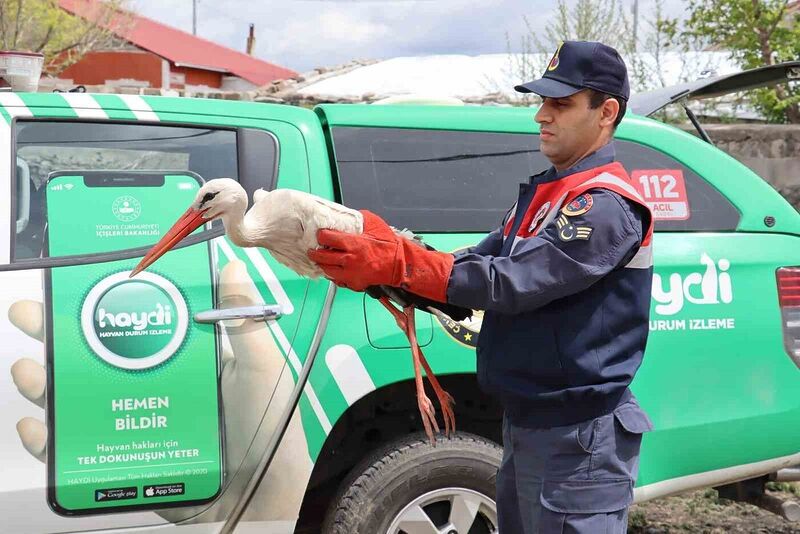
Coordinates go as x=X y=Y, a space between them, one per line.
x=565 y=284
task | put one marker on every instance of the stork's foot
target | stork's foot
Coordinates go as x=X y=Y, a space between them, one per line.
x=446 y=403
x=428 y=415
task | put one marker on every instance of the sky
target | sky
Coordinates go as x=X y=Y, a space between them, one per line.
x=304 y=34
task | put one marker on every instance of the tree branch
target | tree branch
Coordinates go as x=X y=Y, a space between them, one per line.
x=45 y=39
x=778 y=18
x=16 y=22
x=3 y=24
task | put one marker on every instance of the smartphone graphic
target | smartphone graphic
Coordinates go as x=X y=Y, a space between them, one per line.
x=133 y=399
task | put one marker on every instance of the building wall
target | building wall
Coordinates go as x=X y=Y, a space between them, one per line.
x=95 y=68
x=234 y=83
x=194 y=77
x=98 y=68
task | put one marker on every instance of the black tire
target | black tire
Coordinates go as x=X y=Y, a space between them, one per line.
x=384 y=483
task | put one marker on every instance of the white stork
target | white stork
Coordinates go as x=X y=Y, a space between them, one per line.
x=285 y=222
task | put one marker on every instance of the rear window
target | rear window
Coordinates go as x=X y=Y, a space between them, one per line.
x=454 y=181
x=434 y=181
x=702 y=208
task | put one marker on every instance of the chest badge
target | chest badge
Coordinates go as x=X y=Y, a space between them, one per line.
x=578 y=205
x=539 y=216
x=568 y=231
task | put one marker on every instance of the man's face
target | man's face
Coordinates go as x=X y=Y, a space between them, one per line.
x=569 y=128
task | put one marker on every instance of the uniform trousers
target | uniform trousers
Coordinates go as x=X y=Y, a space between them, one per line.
x=572 y=479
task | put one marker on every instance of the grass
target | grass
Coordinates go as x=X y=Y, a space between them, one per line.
x=788 y=487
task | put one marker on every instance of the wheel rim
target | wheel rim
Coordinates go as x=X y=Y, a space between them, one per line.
x=447 y=511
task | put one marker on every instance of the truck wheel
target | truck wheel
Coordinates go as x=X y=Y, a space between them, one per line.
x=408 y=487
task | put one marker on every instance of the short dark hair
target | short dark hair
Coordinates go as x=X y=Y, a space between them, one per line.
x=596 y=99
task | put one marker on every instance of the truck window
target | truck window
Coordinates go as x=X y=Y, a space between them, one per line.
x=49 y=146
x=707 y=209
x=434 y=180
x=455 y=181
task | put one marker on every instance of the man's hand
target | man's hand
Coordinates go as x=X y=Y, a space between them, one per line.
x=250 y=375
x=372 y=258
x=379 y=256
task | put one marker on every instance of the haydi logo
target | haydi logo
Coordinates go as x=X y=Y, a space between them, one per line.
x=134 y=324
x=162 y=316
x=710 y=287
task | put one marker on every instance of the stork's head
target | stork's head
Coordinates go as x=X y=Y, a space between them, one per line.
x=215 y=199
x=218 y=197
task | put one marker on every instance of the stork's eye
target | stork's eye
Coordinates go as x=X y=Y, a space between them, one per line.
x=207 y=197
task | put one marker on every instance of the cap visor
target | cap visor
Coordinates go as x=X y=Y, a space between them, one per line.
x=548 y=87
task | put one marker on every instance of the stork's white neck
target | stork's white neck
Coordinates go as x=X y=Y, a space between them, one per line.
x=236 y=226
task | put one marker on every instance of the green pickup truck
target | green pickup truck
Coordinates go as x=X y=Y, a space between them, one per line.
x=311 y=396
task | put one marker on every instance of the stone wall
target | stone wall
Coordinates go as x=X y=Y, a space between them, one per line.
x=279 y=91
x=771 y=150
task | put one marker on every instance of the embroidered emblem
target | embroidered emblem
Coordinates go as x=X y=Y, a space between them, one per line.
x=554 y=61
x=578 y=205
x=539 y=216
x=568 y=231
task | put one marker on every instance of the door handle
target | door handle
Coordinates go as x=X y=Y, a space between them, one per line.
x=266 y=312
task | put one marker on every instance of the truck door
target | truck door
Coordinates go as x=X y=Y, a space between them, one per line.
x=259 y=359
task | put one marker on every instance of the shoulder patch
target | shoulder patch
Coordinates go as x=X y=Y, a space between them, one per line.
x=568 y=231
x=578 y=205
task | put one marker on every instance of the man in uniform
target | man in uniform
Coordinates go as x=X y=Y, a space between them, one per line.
x=565 y=282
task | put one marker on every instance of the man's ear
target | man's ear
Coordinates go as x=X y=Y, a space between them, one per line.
x=608 y=112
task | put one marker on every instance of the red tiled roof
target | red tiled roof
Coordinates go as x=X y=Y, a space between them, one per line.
x=179 y=47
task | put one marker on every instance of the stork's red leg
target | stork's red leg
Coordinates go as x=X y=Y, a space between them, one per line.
x=399 y=316
x=446 y=401
x=425 y=404
x=426 y=410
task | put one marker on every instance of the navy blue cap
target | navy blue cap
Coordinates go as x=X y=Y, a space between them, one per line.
x=580 y=65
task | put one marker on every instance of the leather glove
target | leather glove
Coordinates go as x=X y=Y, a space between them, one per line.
x=379 y=256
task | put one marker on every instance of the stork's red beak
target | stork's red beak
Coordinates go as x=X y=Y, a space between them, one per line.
x=188 y=223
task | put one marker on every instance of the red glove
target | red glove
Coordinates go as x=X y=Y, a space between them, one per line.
x=378 y=256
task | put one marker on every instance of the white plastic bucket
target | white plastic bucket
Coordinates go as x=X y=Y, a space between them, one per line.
x=21 y=70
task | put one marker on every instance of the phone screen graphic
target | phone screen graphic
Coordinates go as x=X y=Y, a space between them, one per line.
x=133 y=394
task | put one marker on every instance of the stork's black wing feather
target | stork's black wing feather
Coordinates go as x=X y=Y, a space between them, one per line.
x=376 y=292
x=456 y=313
x=405 y=298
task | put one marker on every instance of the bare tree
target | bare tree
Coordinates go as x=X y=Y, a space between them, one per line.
x=587 y=20
x=646 y=55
